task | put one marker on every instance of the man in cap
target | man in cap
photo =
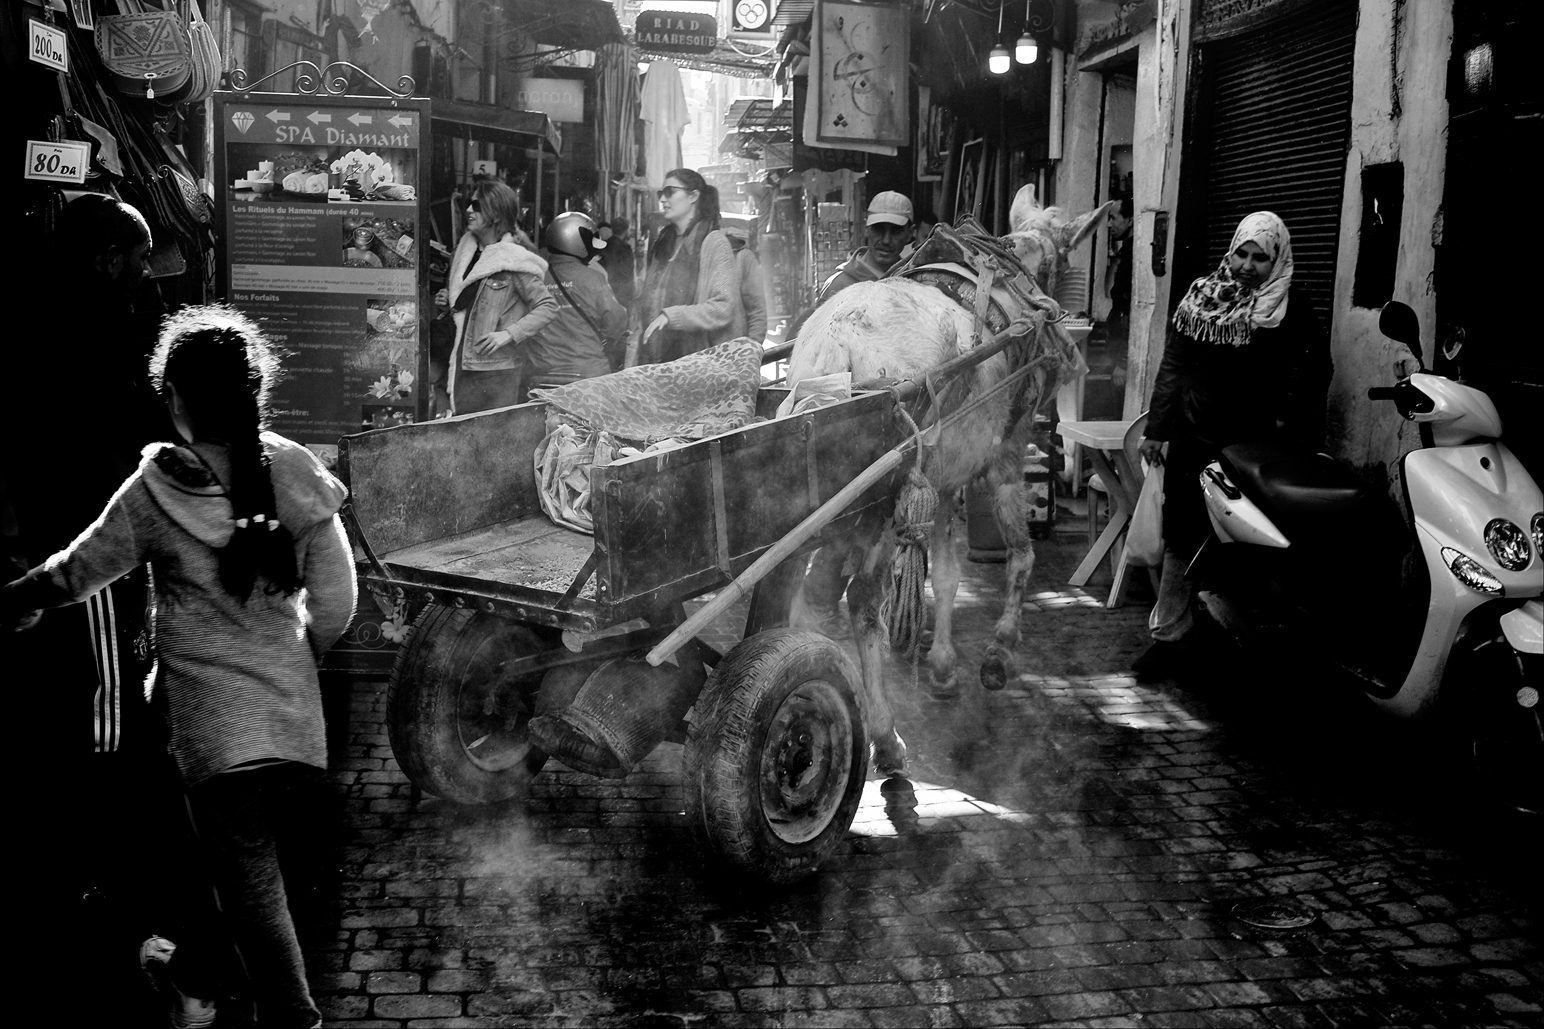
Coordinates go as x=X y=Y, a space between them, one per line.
x=888 y=230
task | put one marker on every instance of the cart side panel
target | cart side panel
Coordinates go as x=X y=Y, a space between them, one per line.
x=673 y=524
x=414 y=483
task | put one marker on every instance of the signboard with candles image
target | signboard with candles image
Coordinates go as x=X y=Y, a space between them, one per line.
x=324 y=244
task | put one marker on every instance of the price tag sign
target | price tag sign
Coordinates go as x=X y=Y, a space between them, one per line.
x=483 y=167
x=57 y=162
x=46 y=46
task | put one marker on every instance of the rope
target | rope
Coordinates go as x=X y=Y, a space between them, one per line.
x=901 y=607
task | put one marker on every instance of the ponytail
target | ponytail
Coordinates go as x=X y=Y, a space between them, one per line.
x=224 y=368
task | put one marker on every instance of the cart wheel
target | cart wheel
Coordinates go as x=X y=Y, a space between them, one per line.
x=457 y=723
x=775 y=760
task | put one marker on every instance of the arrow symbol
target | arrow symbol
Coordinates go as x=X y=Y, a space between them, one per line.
x=316 y=117
x=400 y=121
x=277 y=116
x=361 y=119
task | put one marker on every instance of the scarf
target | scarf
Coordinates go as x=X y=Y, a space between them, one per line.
x=1217 y=308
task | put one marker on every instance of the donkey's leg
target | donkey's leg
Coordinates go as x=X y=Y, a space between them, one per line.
x=1010 y=506
x=863 y=598
x=945 y=572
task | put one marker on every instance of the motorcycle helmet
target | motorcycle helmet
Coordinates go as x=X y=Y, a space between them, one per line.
x=573 y=233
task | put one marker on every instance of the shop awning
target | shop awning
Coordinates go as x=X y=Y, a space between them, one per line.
x=530 y=130
x=745 y=61
x=754 y=123
x=566 y=24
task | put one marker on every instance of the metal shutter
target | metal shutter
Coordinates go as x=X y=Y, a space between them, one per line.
x=1281 y=122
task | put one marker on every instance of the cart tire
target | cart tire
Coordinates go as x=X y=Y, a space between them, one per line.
x=456 y=730
x=776 y=757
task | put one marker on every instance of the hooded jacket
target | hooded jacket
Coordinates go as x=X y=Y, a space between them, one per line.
x=857 y=268
x=237 y=680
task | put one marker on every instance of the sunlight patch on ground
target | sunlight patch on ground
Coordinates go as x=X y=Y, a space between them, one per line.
x=895 y=805
x=1072 y=596
x=1120 y=700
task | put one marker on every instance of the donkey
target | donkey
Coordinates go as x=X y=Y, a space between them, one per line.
x=900 y=328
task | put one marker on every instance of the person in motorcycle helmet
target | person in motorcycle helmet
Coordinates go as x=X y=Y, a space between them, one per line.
x=573 y=345
x=1249 y=361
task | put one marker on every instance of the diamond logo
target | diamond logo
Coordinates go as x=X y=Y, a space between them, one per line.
x=243 y=120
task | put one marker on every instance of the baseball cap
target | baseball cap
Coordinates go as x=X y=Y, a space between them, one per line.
x=889 y=206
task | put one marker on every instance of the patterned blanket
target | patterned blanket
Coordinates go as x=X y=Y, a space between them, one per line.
x=711 y=391
x=656 y=405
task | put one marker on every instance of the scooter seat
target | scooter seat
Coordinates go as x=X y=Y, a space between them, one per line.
x=1298 y=490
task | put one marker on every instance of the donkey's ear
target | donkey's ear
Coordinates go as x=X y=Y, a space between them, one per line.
x=1081 y=227
x=1025 y=209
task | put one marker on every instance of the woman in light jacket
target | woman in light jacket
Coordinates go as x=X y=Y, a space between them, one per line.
x=691 y=291
x=499 y=303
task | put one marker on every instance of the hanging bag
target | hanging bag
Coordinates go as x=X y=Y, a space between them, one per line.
x=147 y=52
x=205 y=63
x=1144 y=540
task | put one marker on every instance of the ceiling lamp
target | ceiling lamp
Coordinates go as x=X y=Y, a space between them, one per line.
x=998 y=62
x=1024 y=51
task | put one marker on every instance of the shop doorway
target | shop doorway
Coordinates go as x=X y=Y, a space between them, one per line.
x=1268 y=118
x=1487 y=331
x=1109 y=290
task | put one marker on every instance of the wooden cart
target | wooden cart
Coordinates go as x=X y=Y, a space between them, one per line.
x=514 y=613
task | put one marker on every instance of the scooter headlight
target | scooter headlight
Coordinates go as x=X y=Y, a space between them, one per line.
x=1508 y=544
x=1536 y=530
x=1471 y=573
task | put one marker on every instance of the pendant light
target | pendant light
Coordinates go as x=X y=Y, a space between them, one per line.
x=1025 y=51
x=998 y=61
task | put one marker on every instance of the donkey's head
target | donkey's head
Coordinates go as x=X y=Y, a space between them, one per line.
x=1043 y=239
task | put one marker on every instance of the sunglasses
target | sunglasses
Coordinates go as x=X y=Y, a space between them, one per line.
x=664 y=194
x=472 y=205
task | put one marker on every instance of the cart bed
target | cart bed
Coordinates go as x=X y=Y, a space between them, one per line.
x=529 y=553
x=450 y=509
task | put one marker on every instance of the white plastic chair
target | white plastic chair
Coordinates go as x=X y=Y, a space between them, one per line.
x=1130 y=443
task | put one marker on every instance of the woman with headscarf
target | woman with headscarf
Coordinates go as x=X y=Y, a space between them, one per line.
x=498 y=299
x=1247 y=361
x=691 y=291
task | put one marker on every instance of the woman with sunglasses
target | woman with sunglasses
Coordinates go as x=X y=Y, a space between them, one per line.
x=691 y=290
x=498 y=299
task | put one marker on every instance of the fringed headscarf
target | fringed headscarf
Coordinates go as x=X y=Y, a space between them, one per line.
x=1219 y=309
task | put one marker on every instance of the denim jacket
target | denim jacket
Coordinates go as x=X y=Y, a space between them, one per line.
x=512 y=298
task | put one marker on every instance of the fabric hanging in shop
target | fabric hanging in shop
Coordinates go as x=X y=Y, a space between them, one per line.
x=665 y=115
x=1280 y=122
x=617 y=113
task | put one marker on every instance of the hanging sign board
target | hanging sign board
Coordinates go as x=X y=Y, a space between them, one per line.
x=46 y=46
x=57 y=162
x=558 y=99
x=676 y=32
x=325 y=216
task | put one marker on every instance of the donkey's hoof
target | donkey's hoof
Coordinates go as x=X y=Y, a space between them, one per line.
x=890 y=755
x=997 y=667
x=943 y=686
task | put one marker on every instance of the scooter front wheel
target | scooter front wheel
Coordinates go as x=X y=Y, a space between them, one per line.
x=1500 y=717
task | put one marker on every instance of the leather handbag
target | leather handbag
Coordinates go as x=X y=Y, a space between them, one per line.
x=205 y=77
x=148 y=53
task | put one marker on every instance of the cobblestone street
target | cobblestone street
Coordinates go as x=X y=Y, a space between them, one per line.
x=1071 y=850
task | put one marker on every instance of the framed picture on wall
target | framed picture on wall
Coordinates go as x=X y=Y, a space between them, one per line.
x=968 y=189
x=935 y=136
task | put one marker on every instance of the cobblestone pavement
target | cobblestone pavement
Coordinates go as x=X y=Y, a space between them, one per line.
x=1070 y=851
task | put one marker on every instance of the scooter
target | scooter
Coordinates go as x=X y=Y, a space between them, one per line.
x=1435 y=614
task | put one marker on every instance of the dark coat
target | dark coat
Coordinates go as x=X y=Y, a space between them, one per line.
x=1219 y=394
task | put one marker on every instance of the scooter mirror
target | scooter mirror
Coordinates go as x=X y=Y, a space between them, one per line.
x=1398 y=322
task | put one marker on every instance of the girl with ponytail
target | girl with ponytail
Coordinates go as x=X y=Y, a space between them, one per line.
x=253 y=582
